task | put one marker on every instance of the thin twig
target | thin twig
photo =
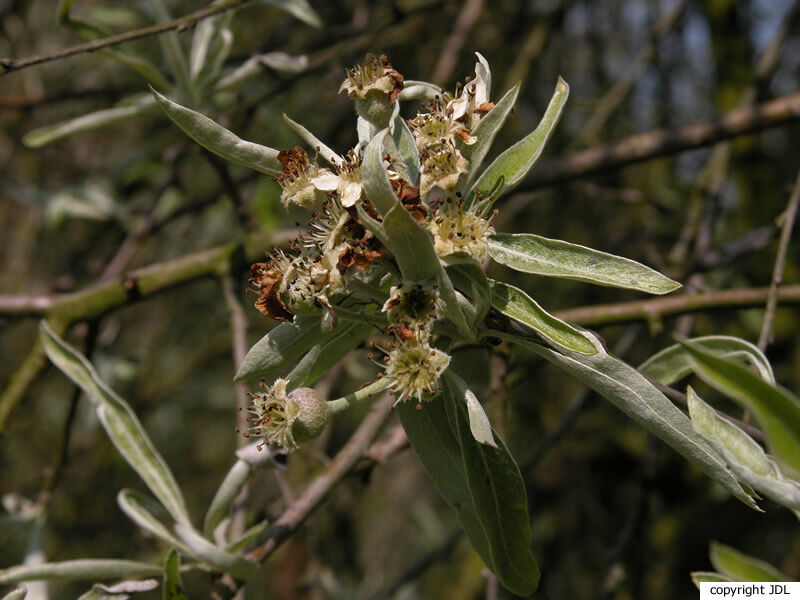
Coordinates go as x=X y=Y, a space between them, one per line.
x=663 y=142
x=7 y=65
x=452 y=47
x=658 y=308
x=622 y=87
x=425 y=562
x=788 y=219
x=314 y=493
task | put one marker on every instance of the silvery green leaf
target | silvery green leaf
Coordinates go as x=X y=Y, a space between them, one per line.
x=174 y=54
x=234 y=565
x=515 y=162
x=120 y=422
x=376 y=181
x=741 y=567
x=220 y=141
x=82 y=569
x=633 y=394
x=365 y=130
x=538 y=255
x=88 y=122
x=231 y=486
x=517 y=305
x=172 y=578
x=419 y=90
x=486 y=131
x=674 y=363
x=699 y=577
x=744 y=456
x=344 y=338
x=407 y=147
x=208 y=70
x=18 y=593
x=299 y=9
x=143 y=67
x=256 y=65
x=121 y=590
x=283 y=344
x=776 y=409
x=737 y=447
x=469 y=279
x=248 y=537
x=479 y=423
x=313 y=141
x=140 y=508
x=482 y=483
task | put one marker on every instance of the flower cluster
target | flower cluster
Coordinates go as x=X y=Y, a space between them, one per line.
x=345 y=264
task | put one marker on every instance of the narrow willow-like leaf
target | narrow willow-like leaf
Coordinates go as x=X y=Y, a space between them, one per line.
x=255 y=66
x=283 y=344
x=172 y=589
x=744 y=456
x=231 y=486
x=82 y=569
x=517 y=305
x=121 y=590
x=739 y=448
x=139 y=508
x=531 y=253
x=437 y=443
x=419 y=90
x=376 y=181
x=699 y=577
x=299 y=9
x=776 y=409
x=120 y=422
x=479 y=423
x=487 y=130
x=674 y=363
x=407 y=147
x=18 y=593
x=411 y=245
x=313 y=141
x=220 y=141
x=88 y=122
x=143 y=67
x=174 y=54
x=498 y=493
x=633 y=394
x=741 y=567
x=469 y=279
x=515 y=162
x=324 y=355
x=235 y=566
x=248 y=537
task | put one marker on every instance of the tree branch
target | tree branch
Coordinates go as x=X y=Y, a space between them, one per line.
x=789 y=217
x=662 y=142
x=7 y=65
x=658 y=308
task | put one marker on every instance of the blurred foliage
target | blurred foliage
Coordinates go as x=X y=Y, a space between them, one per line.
x=616 y=514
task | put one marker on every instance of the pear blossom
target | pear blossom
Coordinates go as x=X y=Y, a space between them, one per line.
x=346 y=182
x=473 y=101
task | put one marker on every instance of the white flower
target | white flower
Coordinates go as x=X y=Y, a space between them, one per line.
x=375 y=75
x=346 y=182
x=296 y=179
x=474 y=97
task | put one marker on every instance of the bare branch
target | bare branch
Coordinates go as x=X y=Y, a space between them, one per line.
x=788 y=219
x=658 y=308
x=7 y=65
x=662 y=142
